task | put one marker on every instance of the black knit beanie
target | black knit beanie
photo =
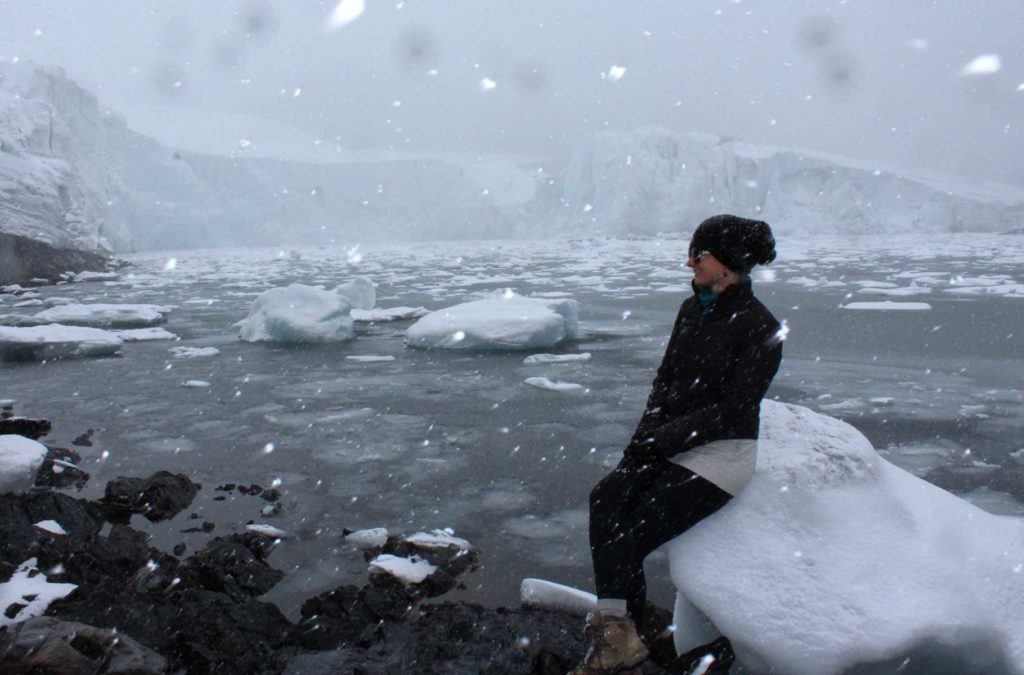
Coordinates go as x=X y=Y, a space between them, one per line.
x=738 y=243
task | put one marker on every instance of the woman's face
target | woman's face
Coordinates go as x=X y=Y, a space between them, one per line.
x=707 y=270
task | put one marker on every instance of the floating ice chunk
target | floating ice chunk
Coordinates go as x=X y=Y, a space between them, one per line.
x=196 y=384
x=370 y=358
x=298 y=314
x=407 y=570
x=193 y=352
x=389 y=314
x=497 y=323
x=105 y=316
x=266 y=530
x=345 y=12
x=31 y=302
x=360 y=291
x=144 y=334
x=543 y=594
x=550 y=385
x=888 y=305
x=36 y=343
x=983 y=64
x=900 y=292
x=28 y=586
x=438 y=539
x=533 y=359
x=882 y=400
x=95 y=276
x=51 y=526
x=888 y=563
x=370 y=538
x=20 y=459
x=56 y=300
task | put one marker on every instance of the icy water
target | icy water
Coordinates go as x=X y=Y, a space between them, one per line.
x=442 y=439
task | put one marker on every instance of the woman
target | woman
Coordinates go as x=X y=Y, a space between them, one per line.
x=695 y=447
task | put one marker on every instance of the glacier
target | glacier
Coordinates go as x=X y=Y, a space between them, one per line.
x=76 y=174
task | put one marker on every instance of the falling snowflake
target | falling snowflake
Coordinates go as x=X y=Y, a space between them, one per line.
x=614 y=73
x=984 y=64
x=487 y=84
x=345 y=13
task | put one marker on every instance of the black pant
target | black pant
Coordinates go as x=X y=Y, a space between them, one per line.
x=635 y=509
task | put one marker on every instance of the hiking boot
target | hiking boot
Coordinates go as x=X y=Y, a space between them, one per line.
x=614 y=648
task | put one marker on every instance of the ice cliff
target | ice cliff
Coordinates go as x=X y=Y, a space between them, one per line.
x=75 y=174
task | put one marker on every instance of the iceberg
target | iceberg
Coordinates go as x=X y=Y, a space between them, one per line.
x=360 y=291
x=20 y=459
x=507 y=321
x=298 y=314
x=833 y=560
x=55 y=341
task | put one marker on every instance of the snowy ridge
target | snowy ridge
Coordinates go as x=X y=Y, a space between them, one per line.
x=652 y=180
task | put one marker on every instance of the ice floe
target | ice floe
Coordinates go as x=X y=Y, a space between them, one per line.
x=534 y=359
x=360 y=291
x=298 y=314
x=553 y=385
x=506 y=321
x=370 y=358
x=104 y=315
x=833 y=558
x=55 y=341
x=145 y=334
x=193 y=352
x=888 y=305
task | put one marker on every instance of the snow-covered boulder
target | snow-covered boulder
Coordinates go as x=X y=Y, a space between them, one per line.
x=105 y=315
x=506 y=321
x=360 y=291
x=55 y=341
x=833 y=558
x=298 y=314
x=20 y=459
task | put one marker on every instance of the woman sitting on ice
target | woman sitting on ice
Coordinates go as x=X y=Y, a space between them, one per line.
x=695 y=447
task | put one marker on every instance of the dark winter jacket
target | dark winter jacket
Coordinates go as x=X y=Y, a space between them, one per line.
x=717 y=368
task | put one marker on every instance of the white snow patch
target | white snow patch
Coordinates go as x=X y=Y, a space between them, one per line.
x=411 y=570
x=28 y=586
x=506 y=321
x=298 y=314
x=51 y=526
x=857 y=561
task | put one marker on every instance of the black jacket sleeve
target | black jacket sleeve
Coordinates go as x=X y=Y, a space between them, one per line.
x=654 y=412
x=755 y=366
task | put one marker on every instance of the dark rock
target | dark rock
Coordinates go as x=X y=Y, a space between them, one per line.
x=271 y=495
x=253 y=490
x=235 y=566
x=24 y=426
x=60 y=470
x=20 y=539
x=179 y=549
x=159 y=497
x=451 y=562
x=720 y=652
x=45 y=645
x=22 y=259
x=85 y=440
x=344 y=616
x=227 y=487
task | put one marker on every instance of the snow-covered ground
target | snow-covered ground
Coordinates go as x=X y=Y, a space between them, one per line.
x=433 y=438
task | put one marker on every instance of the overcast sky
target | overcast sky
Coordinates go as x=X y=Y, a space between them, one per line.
x=873 y=79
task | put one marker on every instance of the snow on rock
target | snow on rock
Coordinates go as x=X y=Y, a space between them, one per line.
x=298 y=314
x=534 y=359
x=833 y=558
x=51 y=526
x=193 y=352
x=888 y=305
x=27 y=594
x=506 y=321
x=20 y=459
x=551 y=385
x=389 y=313
x=55 y=341
x=360 y=291
x=104 y=315
x=543 y=594
x=374 y=537
x=412 y=570
x=144 y=334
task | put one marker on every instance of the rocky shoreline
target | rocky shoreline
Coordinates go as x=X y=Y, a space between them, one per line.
x=23 y=260
x=136 y=609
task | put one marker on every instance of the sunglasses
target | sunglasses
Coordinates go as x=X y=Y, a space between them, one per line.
x=696 y=256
